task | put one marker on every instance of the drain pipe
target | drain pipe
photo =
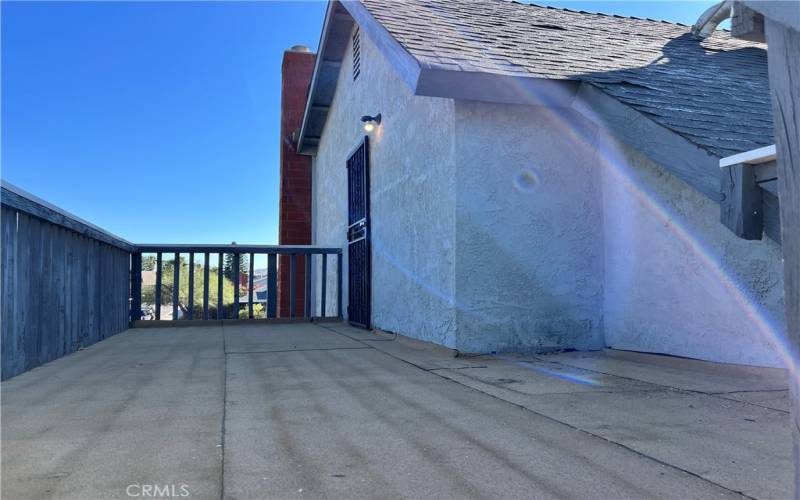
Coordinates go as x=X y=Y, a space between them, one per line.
x=710 y=19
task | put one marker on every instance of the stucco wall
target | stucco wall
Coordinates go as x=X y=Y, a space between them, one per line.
x=529 y=240
x=412 y=182
x=677 y=281
x=511 y=228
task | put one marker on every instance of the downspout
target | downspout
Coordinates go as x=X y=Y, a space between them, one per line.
x=710 y=19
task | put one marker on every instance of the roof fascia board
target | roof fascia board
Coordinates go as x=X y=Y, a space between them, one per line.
x=318 y=63
x=689 y=162
x=752 y=157
x=401 y=60
x=497 y=88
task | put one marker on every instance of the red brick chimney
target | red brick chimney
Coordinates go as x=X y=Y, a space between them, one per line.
x=294 y=219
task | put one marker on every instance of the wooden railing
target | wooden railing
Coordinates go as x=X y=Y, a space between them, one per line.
x=218 y=309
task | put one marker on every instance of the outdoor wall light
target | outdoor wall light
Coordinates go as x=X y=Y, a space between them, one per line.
x=370 y=122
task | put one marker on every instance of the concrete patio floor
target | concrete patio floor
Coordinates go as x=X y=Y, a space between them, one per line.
x=329 y=411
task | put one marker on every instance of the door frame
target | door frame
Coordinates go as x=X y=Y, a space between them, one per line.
x=367 y=237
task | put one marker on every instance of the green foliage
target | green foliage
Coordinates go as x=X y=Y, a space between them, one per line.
x=167 y=282
x=149 y=263
x=227 y=268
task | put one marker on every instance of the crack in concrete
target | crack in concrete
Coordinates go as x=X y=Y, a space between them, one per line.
x=552 y=419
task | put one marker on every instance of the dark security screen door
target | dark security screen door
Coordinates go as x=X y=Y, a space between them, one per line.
x=358 y=250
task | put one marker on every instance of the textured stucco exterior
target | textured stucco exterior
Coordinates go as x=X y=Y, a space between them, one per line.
x=412 y=190
x=529 y=232
x=677 y=280
x=514 y=228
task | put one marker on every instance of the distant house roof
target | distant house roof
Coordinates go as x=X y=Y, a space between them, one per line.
x=714 y=93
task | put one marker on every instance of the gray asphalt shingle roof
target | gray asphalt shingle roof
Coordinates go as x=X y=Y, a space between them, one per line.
x=715 y=92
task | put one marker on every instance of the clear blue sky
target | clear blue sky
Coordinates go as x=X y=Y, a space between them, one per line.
x=159 y=121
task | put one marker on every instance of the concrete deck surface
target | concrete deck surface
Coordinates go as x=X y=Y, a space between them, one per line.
x=329 y=411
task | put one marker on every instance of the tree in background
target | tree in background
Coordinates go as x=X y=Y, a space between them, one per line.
x=149 y=263
x=167 y=288
x=227 y=268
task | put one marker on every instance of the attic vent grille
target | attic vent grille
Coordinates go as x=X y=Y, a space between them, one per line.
x=356 y=54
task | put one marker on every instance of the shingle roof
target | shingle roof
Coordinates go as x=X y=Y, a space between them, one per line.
x=715 y=92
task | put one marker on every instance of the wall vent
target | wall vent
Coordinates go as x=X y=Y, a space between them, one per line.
x=356 y=54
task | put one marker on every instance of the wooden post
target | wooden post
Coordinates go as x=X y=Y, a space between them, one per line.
x=176 y=281
x=235 y=271
x=191 y=285
x=136 y=287
x=158 y=285
x=220 y=289
x=324 y=285
x=250 y=287
x=784 y=81
x=292 y=283
x=740 y=207
x=272 y=286
x=307 y=287
x=205 y=286
x=339 y=285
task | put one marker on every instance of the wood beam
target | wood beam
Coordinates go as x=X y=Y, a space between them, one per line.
x=740 y=207
x=784 y=80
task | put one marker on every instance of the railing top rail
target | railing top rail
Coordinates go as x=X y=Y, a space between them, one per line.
x=261 y=249
x=17 y=198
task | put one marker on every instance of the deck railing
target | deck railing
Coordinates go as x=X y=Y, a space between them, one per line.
x=67 y=283
x=306 y=254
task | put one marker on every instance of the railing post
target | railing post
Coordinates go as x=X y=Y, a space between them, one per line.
x=205 y=286
x=272 y=286
x=250 y=287
x=191 y=285
x=220 y=289
x=292 y=285
x=176 y=281
x=339 y=284
x=307 y=287
x=235 y=271
x=136 y=286
x=324 y=284
x=158 y=286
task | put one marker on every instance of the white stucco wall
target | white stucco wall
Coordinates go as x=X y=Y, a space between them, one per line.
x=676 y=280
x=412 y=183
x=512 y=228
x=529 y=230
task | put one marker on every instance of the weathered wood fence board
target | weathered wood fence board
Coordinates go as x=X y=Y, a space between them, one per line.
x=62 y=289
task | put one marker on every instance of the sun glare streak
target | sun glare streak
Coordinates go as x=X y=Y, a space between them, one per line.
x=614 y=162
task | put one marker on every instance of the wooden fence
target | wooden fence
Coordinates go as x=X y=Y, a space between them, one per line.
x=65 y=282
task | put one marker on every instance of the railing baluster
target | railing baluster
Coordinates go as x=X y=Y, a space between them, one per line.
x=235 y=272
x=324 y=257
x=272 y=286
x=250 y=288
x=339 y=284
x=158 y=286
x=205 y=285
x=191 y=285
x=307 y=287
x=220 y=279
x=136 y=286
x=292 y=267
x=176 y=286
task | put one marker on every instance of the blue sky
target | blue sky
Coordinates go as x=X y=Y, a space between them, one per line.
x=159 y=121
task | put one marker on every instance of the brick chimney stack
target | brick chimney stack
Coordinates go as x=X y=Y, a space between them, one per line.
x=294 y=219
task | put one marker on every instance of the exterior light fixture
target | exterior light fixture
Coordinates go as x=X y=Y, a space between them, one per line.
x=370 y=122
